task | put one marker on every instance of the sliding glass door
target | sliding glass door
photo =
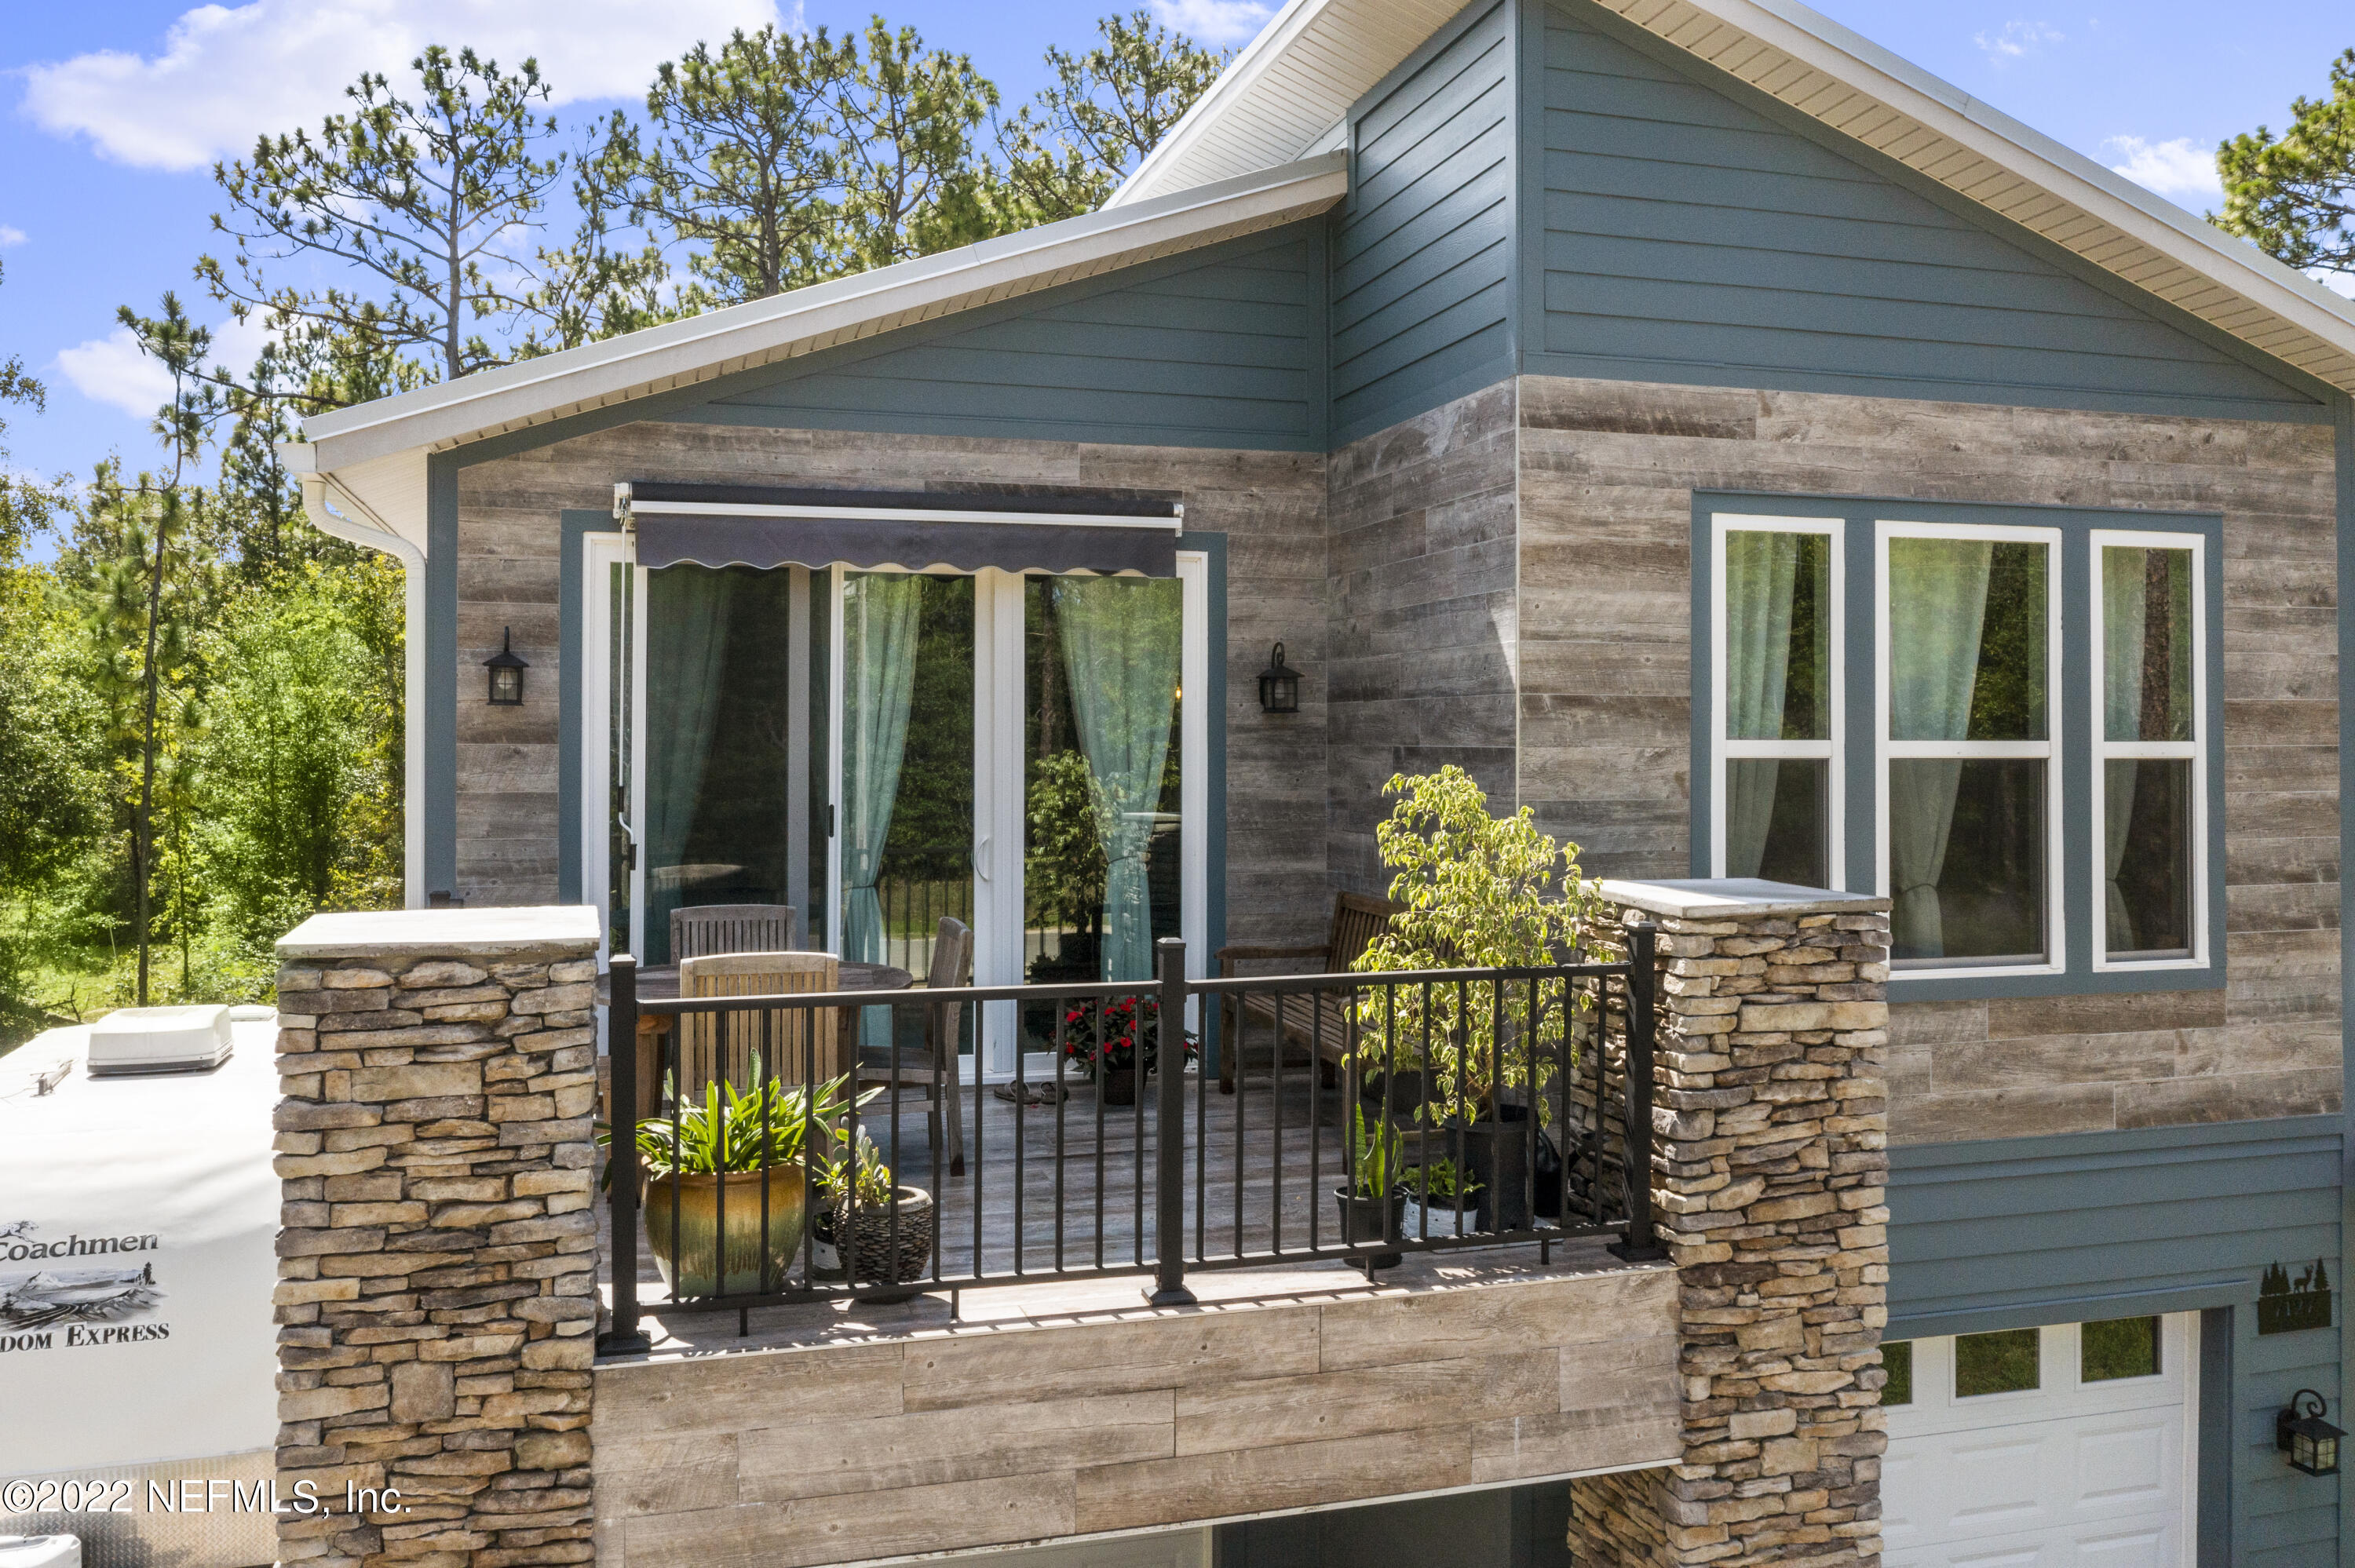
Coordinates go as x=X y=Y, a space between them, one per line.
x=881 y=749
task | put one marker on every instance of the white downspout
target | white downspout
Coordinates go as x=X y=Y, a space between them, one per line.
x=372 y=534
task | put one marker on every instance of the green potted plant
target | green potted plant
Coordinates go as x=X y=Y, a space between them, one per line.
x=1477 y=891
x=1371 y=1200
x=864 y=1240
x=1442 y=1196
x=741 y=1150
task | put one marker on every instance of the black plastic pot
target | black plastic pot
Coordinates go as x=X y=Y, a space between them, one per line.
x=1498 y=1149
x=1370 y=1220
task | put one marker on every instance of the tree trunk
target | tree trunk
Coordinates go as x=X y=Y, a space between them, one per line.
x=143 y=829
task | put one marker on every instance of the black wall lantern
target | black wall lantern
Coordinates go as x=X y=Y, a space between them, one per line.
x=1279 y=685
x=2311 y=1443
x=507 y=668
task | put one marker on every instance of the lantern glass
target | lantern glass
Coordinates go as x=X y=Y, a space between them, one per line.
x=2311 y=1442
x=507 y=685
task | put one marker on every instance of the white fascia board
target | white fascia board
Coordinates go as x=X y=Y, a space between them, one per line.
x=1816 y=40
x=764 y=331
x=1233 y=85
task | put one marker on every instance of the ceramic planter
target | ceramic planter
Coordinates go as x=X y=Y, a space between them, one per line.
x=1362 y=1220
x=1446 y=1219
x=685 y=1240
x=864 y=1240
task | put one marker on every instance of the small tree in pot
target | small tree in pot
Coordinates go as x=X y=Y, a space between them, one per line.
x=1479 y=891
x=878 y=1232
x=1370 y=1199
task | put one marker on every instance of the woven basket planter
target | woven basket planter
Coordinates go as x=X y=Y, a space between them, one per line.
x=866 y=1250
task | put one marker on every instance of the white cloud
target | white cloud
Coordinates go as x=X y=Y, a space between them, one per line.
x=2181 y=169
x=226 y=74
x=1218 y=22
x=2016 y=40
x=10 y=235
x=112 y=370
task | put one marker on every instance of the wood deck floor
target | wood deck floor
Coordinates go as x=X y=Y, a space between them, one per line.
x=1014 y=1179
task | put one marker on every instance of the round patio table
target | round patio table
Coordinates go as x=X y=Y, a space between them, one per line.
x=659 y=983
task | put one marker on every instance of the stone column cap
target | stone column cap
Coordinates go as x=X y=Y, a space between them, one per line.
x=1736 y=898
x=566 y=928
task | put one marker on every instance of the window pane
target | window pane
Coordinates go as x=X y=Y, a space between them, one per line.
x=2123 y=1347
x=1897 y=1360
x=1778 y=820
x=2003 y=1362
x=2146 y=643
x=1967 y=860
x=2146 y=825
x=1967 y=621
x=1778 y=636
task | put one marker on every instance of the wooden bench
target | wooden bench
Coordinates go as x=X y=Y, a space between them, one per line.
x=1314 y=1023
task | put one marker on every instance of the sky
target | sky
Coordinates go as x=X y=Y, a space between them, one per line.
x=112 y=114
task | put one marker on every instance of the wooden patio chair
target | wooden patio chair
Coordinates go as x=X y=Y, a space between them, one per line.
x=794 y=1043
x=1314 y=1023
x=931 y=1074
x=698 y=930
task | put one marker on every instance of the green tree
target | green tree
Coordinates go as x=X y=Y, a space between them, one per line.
x=26 y=505
x=1068 y=149
x=2295 y=196
x=911 y=183
x=740 y=160
x=426 y=200
x=593 y=288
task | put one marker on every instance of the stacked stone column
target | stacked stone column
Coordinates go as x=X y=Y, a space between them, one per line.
x=1769 y=1180
x=437 y=1260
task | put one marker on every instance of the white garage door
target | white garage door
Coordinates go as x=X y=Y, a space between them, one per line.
x=2067 y=1447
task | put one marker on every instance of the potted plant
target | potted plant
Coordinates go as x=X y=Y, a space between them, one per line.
x=1477 y=891
x=1441 y=1200
x=885 y=1236
x=1371 y=1201
x=734 y=1159
x=1111 y=1037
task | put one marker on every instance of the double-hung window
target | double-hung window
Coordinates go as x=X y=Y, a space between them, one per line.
x=2000 y=719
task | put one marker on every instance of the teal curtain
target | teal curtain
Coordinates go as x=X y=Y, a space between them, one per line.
x=1761 y=573
x=1122 y=638
x=1937 y=610
x=2125 y=617
x=686 y=655
x=879 y=650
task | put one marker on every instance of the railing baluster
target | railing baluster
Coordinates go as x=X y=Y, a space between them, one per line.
x=1169 y=1131
x=624 y=1337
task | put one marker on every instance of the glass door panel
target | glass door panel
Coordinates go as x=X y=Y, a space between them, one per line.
x=719 y=747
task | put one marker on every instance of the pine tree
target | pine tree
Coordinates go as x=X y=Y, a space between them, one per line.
x=1106 y=109
x=2295 y=196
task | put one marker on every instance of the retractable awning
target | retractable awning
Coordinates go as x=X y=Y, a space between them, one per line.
x=723 y=525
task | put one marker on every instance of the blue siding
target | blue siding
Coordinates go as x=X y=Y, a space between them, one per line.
x=1422 y=249
x=1222 y=347
x=1688 y=234
x=2046 y=1229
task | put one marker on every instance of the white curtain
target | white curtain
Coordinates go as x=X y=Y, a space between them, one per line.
x=1761 y=572
x=2125 y=607
x=1937 y=609
x=878 y=656
x=1120 y=643
x=686 y=656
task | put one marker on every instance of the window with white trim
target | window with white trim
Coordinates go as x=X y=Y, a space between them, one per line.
x=1999 y=718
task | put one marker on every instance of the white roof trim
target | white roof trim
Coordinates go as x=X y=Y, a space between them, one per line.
x=805 y=320
x=1280 y=96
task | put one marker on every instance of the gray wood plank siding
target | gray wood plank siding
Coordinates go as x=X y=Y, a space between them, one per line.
x=2054 y=1230
x=1688 y=235
x=1603 y=650
x=1269 y=504
x=1221 y=348
x=1423 y=247
x=1422 y=620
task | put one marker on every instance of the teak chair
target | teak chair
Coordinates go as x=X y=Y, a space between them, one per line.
x=795 y=1045
x=1313 y=1022
x=932 y=1072
x=698 y=930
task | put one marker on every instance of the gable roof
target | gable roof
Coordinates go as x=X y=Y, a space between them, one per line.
x=762 y=332
x=1278 y=98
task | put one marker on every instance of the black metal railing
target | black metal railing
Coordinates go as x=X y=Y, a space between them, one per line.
x=1101 y=1163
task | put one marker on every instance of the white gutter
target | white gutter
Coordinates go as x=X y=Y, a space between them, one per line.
x=373 y=534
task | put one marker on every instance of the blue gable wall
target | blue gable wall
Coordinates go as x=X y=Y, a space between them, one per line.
x=1423 y=247
x=1686 y=228
x=1220 y=347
